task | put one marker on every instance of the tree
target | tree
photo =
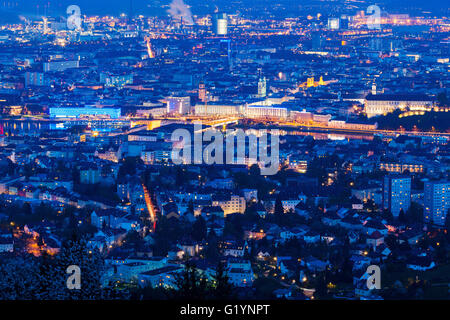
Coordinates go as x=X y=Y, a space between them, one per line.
x=401 y=216
x=27 y=209
x=387 y=215
x=180 y=176
x=190 y=207
x=128 y=166
x=233 y=226
x=279 y=210
x=251 y=215
x=212 y=253
x=415 y=213
x=442 y=99
x=447 y=221
x=321 y=291
x=199 y=230
x=223 y=288
x=76 y=252
x=18 y=280
x=255 y=171
x=45 y=278
x=189 y=284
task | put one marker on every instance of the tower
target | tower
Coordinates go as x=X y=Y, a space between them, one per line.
x=321 y=82
x=374 y=88
x=262 y=85
x=130 y=13
x=220 y=24
x=317 y=40
x=225 y=51
x=45 y=25
x=202 y=92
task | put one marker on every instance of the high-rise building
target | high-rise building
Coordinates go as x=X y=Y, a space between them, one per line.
x=34 y=79
x=344 y=22
x=396 y=193
x=220 y=24
x=225 y=51
x=333 y=23
x=202 y=92
x=317 y=40
x=178 y=105
x=45 y=30
x=436 y=201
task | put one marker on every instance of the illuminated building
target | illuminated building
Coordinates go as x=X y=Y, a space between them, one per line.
x=436 y=201
x=156 y=156
x=333 y=23
x=162 y=277
x=302 y=116
x=178 y=105
x=396 y=193
x=151 y=111
x=340 y=124
x=401 y=167
x=230 y=204
x=262 y=112
x=262 y=87
x=322 y=118
x=219 y=109
x=116 y=80
x=74 y=112
x=59 y=66
x=202 y=92
x=143 y=136
x=34 y=79
x=89 y=175
x=375 y=105
x=220 y=24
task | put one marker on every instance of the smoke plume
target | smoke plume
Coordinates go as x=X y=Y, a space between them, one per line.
x=179 y=10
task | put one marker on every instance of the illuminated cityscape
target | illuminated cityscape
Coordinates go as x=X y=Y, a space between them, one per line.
x=215 y=150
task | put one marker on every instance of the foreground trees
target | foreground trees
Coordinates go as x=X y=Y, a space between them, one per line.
x=45 y=277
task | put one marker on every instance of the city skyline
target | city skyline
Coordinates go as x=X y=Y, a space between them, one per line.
x=269 y=151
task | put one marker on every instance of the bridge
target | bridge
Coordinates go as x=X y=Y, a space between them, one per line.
x=221 y=122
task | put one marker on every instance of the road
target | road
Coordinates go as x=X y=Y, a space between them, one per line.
x=150 y=207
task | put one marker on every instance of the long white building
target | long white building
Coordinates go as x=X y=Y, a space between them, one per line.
x=253 y=111
x=218 y=110
x=375 y=105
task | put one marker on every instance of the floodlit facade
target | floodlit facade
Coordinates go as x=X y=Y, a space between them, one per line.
x=375 y=105
x=74 y=112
